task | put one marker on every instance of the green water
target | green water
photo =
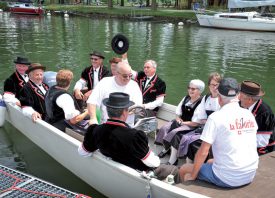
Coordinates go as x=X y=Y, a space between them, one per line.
x=182 y=52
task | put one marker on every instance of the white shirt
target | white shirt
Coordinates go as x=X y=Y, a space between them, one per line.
x=211 y=104
x=66 y=102
x=96 y=73
x=232 y=133
x=108 y=85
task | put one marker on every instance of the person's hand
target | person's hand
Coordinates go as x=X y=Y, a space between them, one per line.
x=36 y=116
x=124 y=56
x=86 y=95
x=93 y=121
x=18 y=103
x=188 y=177
x=78 y=94
x=179 y=120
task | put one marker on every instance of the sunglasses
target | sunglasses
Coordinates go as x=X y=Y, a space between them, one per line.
x=191 y=88
x=94 y=59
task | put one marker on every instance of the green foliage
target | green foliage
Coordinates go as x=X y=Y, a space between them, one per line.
x=4 y=6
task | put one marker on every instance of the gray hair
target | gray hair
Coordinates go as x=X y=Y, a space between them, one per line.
x=198 y=83
x=151 y=62
x=114 y=112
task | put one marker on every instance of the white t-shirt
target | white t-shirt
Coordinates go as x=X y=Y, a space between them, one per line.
x=211 y=104
x=108 y=85
x=232 y=133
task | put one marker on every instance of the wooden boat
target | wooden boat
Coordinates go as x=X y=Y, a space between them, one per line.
x=239 y=20
x=25 y=8
x=117 y=180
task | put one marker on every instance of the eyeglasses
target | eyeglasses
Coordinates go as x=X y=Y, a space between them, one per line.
x=214 y=85
x=191 y=88
x=126 y=76
x=94 y=59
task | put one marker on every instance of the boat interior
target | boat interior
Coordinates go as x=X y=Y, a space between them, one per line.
x=262 y=186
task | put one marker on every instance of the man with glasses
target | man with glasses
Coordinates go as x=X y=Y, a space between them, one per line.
x=152 y=87
x=121 y=82
x=90 y=76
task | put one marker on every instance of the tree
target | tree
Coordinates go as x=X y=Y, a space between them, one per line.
x=154 y=5
x=110 y=3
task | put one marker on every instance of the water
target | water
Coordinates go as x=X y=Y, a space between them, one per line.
x=182 y=53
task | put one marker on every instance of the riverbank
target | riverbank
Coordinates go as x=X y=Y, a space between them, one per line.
x=127 y=12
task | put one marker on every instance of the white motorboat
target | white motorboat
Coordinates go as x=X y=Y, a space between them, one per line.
x=117 y=180
x=239 y=20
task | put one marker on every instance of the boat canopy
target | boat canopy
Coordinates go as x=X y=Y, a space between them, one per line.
x=249 y=3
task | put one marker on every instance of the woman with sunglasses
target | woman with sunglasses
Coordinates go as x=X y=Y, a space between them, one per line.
x=184 y=113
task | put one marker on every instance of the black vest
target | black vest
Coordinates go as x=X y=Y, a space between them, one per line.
x=188 y=111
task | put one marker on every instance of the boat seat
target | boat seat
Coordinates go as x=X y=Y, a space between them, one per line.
x=262 y=186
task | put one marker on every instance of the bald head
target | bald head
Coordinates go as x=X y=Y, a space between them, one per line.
x=124 y=73
x=123 y=67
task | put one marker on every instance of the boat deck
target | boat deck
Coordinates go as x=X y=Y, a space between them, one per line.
x=17 y=184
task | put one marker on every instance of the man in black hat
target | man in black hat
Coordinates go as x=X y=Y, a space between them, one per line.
x=32 y=95
x=251 y=98
x=16 y=81
x=231 y=131
x=90 y=76
x=116 y=139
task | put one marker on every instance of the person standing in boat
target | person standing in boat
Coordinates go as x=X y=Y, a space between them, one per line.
x=16 y=81
x=116 y=139
x=90 y=76
x=60 y=105
x=184 y=112
x=119 y=83
x=32 y=95
x=231 y=131
x=152 y=87
x=251 y=98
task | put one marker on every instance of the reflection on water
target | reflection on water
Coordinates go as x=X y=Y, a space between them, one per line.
x=182 y=53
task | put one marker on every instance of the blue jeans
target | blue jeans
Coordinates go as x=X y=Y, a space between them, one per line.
x=206 y=174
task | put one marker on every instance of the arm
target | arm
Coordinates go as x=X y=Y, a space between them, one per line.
x=78 y=118
x=157 y=103
x=31 y=113
x=79 y=85
x=92 y=113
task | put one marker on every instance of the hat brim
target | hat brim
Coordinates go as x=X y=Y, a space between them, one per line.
x=262 y=93
x=24 y=63
x=107 y=104
x=34 y=68
x=97 y=55
x=120 y=44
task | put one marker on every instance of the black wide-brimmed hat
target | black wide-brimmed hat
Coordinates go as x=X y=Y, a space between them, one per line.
x=35 y=66
x=120 y=44
x=251 y=88
x=21 y=60
x=118 y=100
x=228 y=87
x=98 y=54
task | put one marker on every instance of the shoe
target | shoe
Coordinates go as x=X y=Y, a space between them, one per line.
x=175 y=163
x=163 y=153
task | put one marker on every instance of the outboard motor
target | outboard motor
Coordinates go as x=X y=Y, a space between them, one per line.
x=2 y=111
x=142 y=122
x=50 y=78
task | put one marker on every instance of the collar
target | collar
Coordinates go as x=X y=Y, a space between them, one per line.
x=252 y=106
x=150 y=78
x=117 y=122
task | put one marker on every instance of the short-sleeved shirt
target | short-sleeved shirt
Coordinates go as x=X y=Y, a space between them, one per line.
x=232 y=133
x=108 y=85
x=116 y=140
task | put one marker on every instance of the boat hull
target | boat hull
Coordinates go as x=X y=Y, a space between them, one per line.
x=26 y=9
x=253 y=24
x=107 y=176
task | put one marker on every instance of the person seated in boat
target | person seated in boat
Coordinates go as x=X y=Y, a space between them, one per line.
x=90 y=76
x=184 y=112
x=60 y=105
x=116 y=139
x=16 y=81
x=208 y=105
x=251 y=94
x=152 y=87
x=119 y=83
x=113 y=64
x=233 y=144
x=32 y=95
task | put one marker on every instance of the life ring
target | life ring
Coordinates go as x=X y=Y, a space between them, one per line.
x=2 y=111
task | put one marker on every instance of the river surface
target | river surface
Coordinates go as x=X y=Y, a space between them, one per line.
x=182 y=53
